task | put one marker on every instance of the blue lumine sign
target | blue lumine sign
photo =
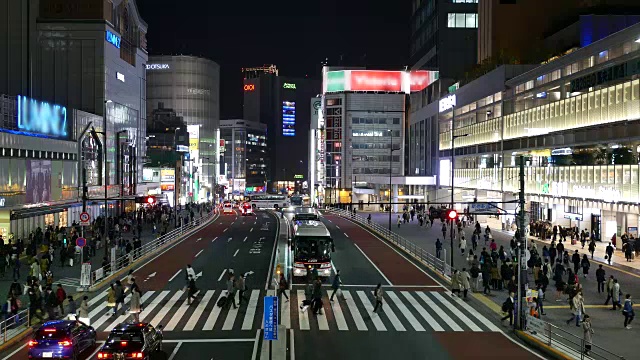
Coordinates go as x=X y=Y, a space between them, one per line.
x=113 y=39
x=41 y=118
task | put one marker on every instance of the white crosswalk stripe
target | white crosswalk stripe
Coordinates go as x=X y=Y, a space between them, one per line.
x=402 y=311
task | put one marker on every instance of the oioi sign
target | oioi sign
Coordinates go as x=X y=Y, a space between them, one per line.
x=376 y=80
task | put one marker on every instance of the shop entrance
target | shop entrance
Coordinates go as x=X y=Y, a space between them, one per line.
x=595 y=227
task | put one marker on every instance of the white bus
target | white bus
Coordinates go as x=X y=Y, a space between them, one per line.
x=269 y=201
x=311 y=247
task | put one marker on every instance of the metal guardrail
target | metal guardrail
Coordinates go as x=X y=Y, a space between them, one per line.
x=125 y=260
x=562 y=340
x=14 y=325
x=412 y=249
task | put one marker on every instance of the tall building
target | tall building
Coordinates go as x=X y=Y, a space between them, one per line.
x=243 y=157
x=281 y=103
x=575 y=122
x=191 y=87
x=514 y=31
x=85 y=59
x=444 y=36
x=363 y=123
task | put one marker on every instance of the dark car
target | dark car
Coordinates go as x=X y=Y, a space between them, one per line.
x=132 y=341
x=61 y=339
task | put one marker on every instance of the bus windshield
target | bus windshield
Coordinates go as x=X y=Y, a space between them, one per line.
x=296 y=200
x=313 y=248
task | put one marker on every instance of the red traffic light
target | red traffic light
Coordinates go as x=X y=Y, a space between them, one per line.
x=151 y=200
x=452 y=214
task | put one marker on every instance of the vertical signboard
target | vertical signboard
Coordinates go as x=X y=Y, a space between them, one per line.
x=288 y=118
x=194 y=152
x=270 y=318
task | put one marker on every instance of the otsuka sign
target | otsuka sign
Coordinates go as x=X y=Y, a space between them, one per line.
x=375 y=80
x=249 y=87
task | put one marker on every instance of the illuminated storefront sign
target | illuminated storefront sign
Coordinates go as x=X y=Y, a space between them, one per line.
x=288 y=118
x=298 y=176
x=376 y=80
x=289 y=86
x=447 y=103
x=113 y=39
x=158 y=67
x=183 y=148
x=600 y=77
x=147 y=174
x=367 y=133
x=167 y=175
x=196 y=91
x=249 y=87
x=41 y=118
x=563 y=151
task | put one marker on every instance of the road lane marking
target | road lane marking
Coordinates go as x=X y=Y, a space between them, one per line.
x=149 y=309
x=214 y=239
x=322 y=319
x=332 y=267
x=236 y=253
x=213 y=315
x=165 y=309
x=245 y=239
x=456 y=312
x=96 y=299
x=174 y=275
x=424 y=313
x=393 y=318
x=443 y=315
x=198 y=239
x=353 y=309
x=345 y=234
x=231 y=316
x=177 y=315
x=337 y=227
x=95 y=311
x=303 y=317
x=255 y=222
x=247 y=324
x=405 y=311
x=369 y=308
x=251 y=230
x=221 y=275
x=292 y=345
x=175 y=351
x=199 y=252
x=106 y=316
x=17 y=351
x=229 y=240
x=225 y=230
x=476 y=314
x=193 y=320
x=96 y=350
x=374 y=265
x=254 y=353
x=337 y=313
x=125 y=316
x=285 y=311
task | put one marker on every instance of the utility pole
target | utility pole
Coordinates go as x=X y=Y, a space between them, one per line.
x=522 y=260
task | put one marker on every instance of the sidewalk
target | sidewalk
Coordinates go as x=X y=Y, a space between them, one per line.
x=69 y=276
x=609 y=332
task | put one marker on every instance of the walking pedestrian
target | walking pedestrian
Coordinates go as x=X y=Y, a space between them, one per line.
x=508 y=306
x=628 y=312
x=399 y=221
x=587 y=330
x=455 y=283
x=378 y=294
x=463 y=245
x=192 y=289
x=190 y=272
x=119 y=297
x=585 y=265
x=335 y=285
x=438 y=248
x=282 y=286
x=241 y=288
x=83 y=311
x=111 y=299
x=575 y=259
x=61 y=295
x=592 y=247
x=464 y=283
x=577 y=308
x=51 y=302
x=135 y=307
x=615 y=295
x=231 y=291
x=609 y=251
x=600 y=278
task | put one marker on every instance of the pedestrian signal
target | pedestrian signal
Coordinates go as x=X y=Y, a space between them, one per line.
x=452 y=214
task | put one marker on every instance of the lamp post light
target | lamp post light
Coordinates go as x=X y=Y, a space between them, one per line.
x=453 y=138
x=391 y=150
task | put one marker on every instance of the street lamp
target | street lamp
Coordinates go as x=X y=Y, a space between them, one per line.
x=391 y=150
x=175 y=176
x=106 y=195
x=453 y=138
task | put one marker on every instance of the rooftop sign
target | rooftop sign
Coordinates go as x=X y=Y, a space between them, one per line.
x=377 y=80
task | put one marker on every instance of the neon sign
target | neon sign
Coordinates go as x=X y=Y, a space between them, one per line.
x=113 y=39
x=447 y=103
x=289 y=86
x=377 y=80
x=41 y=118
x=158 y=67
x=249 y=87
x=288 y=118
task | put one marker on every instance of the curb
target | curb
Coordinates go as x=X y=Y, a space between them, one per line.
x=548 y=350
x=16 y=339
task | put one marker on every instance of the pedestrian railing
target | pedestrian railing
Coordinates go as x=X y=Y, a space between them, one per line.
x=566 y=342
x=100 y=274
x=409 y=247
x=14 y=325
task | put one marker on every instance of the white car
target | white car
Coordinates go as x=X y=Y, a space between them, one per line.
x=247 y=209
x=227 y=208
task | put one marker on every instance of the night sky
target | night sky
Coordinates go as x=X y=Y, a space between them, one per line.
x=296 y=36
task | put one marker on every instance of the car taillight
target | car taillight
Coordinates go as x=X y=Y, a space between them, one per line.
x=137 y=355
x=325 y=265
x=298 y=265
x=32 y=343
x=64 y=343
x=103 y=355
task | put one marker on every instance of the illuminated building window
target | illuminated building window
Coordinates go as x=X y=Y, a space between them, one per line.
x=461 y=20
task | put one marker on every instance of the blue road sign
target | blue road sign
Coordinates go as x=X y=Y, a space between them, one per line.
x=81 y=242
x=271 y=318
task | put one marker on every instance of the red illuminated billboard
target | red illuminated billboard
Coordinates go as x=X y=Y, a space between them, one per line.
x=421 y=79
x=367 y=80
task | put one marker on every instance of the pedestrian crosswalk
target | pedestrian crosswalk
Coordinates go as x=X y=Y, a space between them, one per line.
x=421 y=311
x=70 y=282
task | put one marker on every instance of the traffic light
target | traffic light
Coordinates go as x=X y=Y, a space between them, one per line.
x=149 y=200
x=452 y=214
